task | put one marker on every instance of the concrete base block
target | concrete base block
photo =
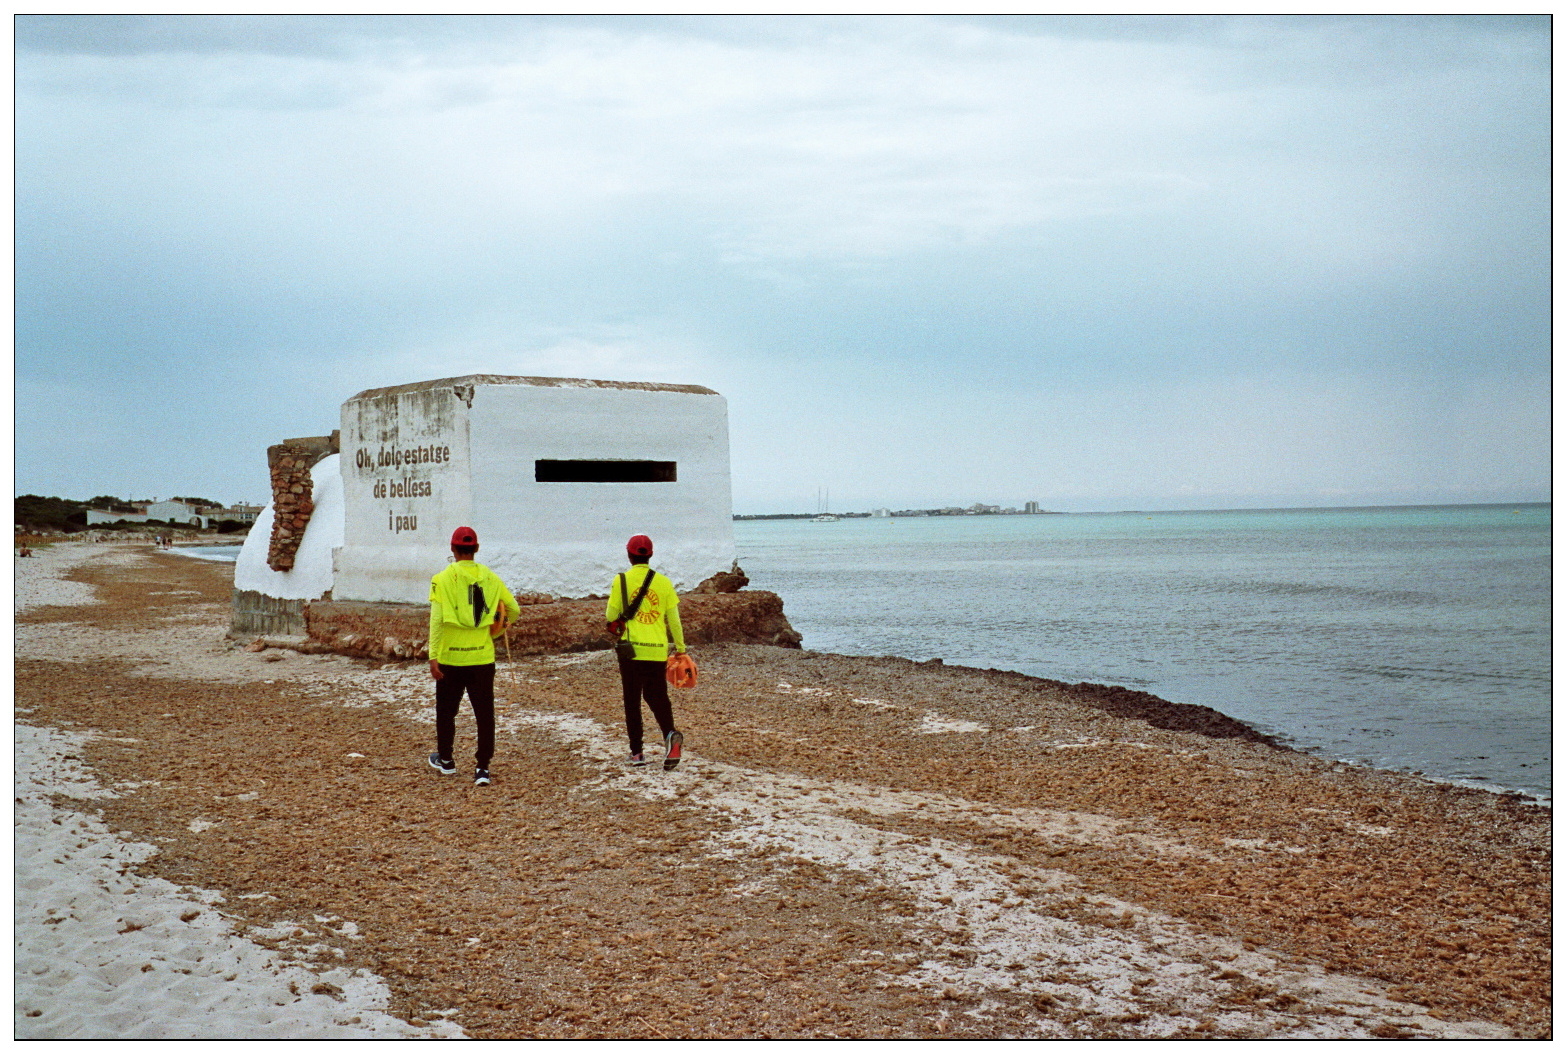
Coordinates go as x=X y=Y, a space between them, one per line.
x=257 y=615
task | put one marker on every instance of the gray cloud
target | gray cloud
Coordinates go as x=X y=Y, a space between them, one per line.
x=1062 y=210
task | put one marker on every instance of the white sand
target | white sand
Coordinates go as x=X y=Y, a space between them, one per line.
x=39 y=579
x=104 y=953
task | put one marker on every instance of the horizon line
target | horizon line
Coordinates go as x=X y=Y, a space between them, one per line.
x=966 y=510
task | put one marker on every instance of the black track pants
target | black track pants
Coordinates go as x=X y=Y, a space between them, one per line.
x=479 y=683
x=644 y=679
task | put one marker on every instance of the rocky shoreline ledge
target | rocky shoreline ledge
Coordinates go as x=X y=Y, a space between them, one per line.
x=1129 y=703
x=555 y=627
x=854 y=847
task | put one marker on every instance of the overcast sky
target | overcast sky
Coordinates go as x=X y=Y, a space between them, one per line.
x=1098 y=263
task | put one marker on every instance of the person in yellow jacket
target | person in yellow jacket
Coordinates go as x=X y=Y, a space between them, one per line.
x=654 y=623
x=469 y=608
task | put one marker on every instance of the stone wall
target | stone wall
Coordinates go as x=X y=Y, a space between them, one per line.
x=401 y=631
x=290 y=463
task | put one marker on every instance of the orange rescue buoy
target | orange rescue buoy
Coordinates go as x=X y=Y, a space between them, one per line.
x=680 y=671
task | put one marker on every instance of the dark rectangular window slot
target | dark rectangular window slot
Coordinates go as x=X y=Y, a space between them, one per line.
x=553 y=471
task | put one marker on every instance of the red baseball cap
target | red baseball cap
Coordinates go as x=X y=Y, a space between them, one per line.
x=464 y=536
x=639 y=546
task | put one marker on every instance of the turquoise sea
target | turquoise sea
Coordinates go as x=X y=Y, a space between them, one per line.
x=1411 y=638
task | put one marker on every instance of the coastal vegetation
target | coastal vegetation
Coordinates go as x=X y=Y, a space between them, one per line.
x=41 y=513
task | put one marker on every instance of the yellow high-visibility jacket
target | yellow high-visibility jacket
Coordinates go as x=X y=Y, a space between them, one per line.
x=457 y=638
x=660 y=608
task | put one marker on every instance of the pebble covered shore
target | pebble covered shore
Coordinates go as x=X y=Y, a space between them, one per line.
x=221 y=843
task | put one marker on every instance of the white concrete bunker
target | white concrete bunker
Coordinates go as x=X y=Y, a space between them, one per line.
x=553 y=473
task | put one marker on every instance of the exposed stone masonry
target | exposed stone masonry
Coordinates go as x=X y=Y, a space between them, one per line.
x=290 y=463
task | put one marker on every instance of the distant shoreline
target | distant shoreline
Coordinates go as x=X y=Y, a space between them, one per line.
x=898 y=513
x=951 y=511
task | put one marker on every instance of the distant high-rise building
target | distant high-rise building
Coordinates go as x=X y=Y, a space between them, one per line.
x=1030 y=507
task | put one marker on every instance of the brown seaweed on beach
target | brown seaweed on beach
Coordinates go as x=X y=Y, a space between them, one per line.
x=854 y=847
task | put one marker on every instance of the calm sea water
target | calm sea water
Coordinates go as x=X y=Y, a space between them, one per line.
x=229 y=554
x=1414 y=638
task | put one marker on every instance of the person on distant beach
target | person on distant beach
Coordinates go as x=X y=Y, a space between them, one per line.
x=643 y=646
x=469 y=608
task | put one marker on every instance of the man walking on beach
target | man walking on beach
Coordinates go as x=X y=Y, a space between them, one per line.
x=469 y=607
x=643 y=615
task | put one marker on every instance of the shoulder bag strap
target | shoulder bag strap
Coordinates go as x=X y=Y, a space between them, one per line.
x=625 y=612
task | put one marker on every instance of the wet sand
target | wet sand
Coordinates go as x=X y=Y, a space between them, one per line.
x=852 y=847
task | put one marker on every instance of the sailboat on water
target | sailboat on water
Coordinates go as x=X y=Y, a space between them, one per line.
x=822 y=516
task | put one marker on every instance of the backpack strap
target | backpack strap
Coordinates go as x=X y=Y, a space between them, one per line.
x=480 y=604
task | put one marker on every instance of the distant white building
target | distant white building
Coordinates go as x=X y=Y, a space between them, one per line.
x=182 y=513
x=109 y=516
x=240 y=512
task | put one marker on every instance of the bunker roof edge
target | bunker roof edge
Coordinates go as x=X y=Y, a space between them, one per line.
x=539 y=382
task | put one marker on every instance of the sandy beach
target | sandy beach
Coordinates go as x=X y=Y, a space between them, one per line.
x=219 y=843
